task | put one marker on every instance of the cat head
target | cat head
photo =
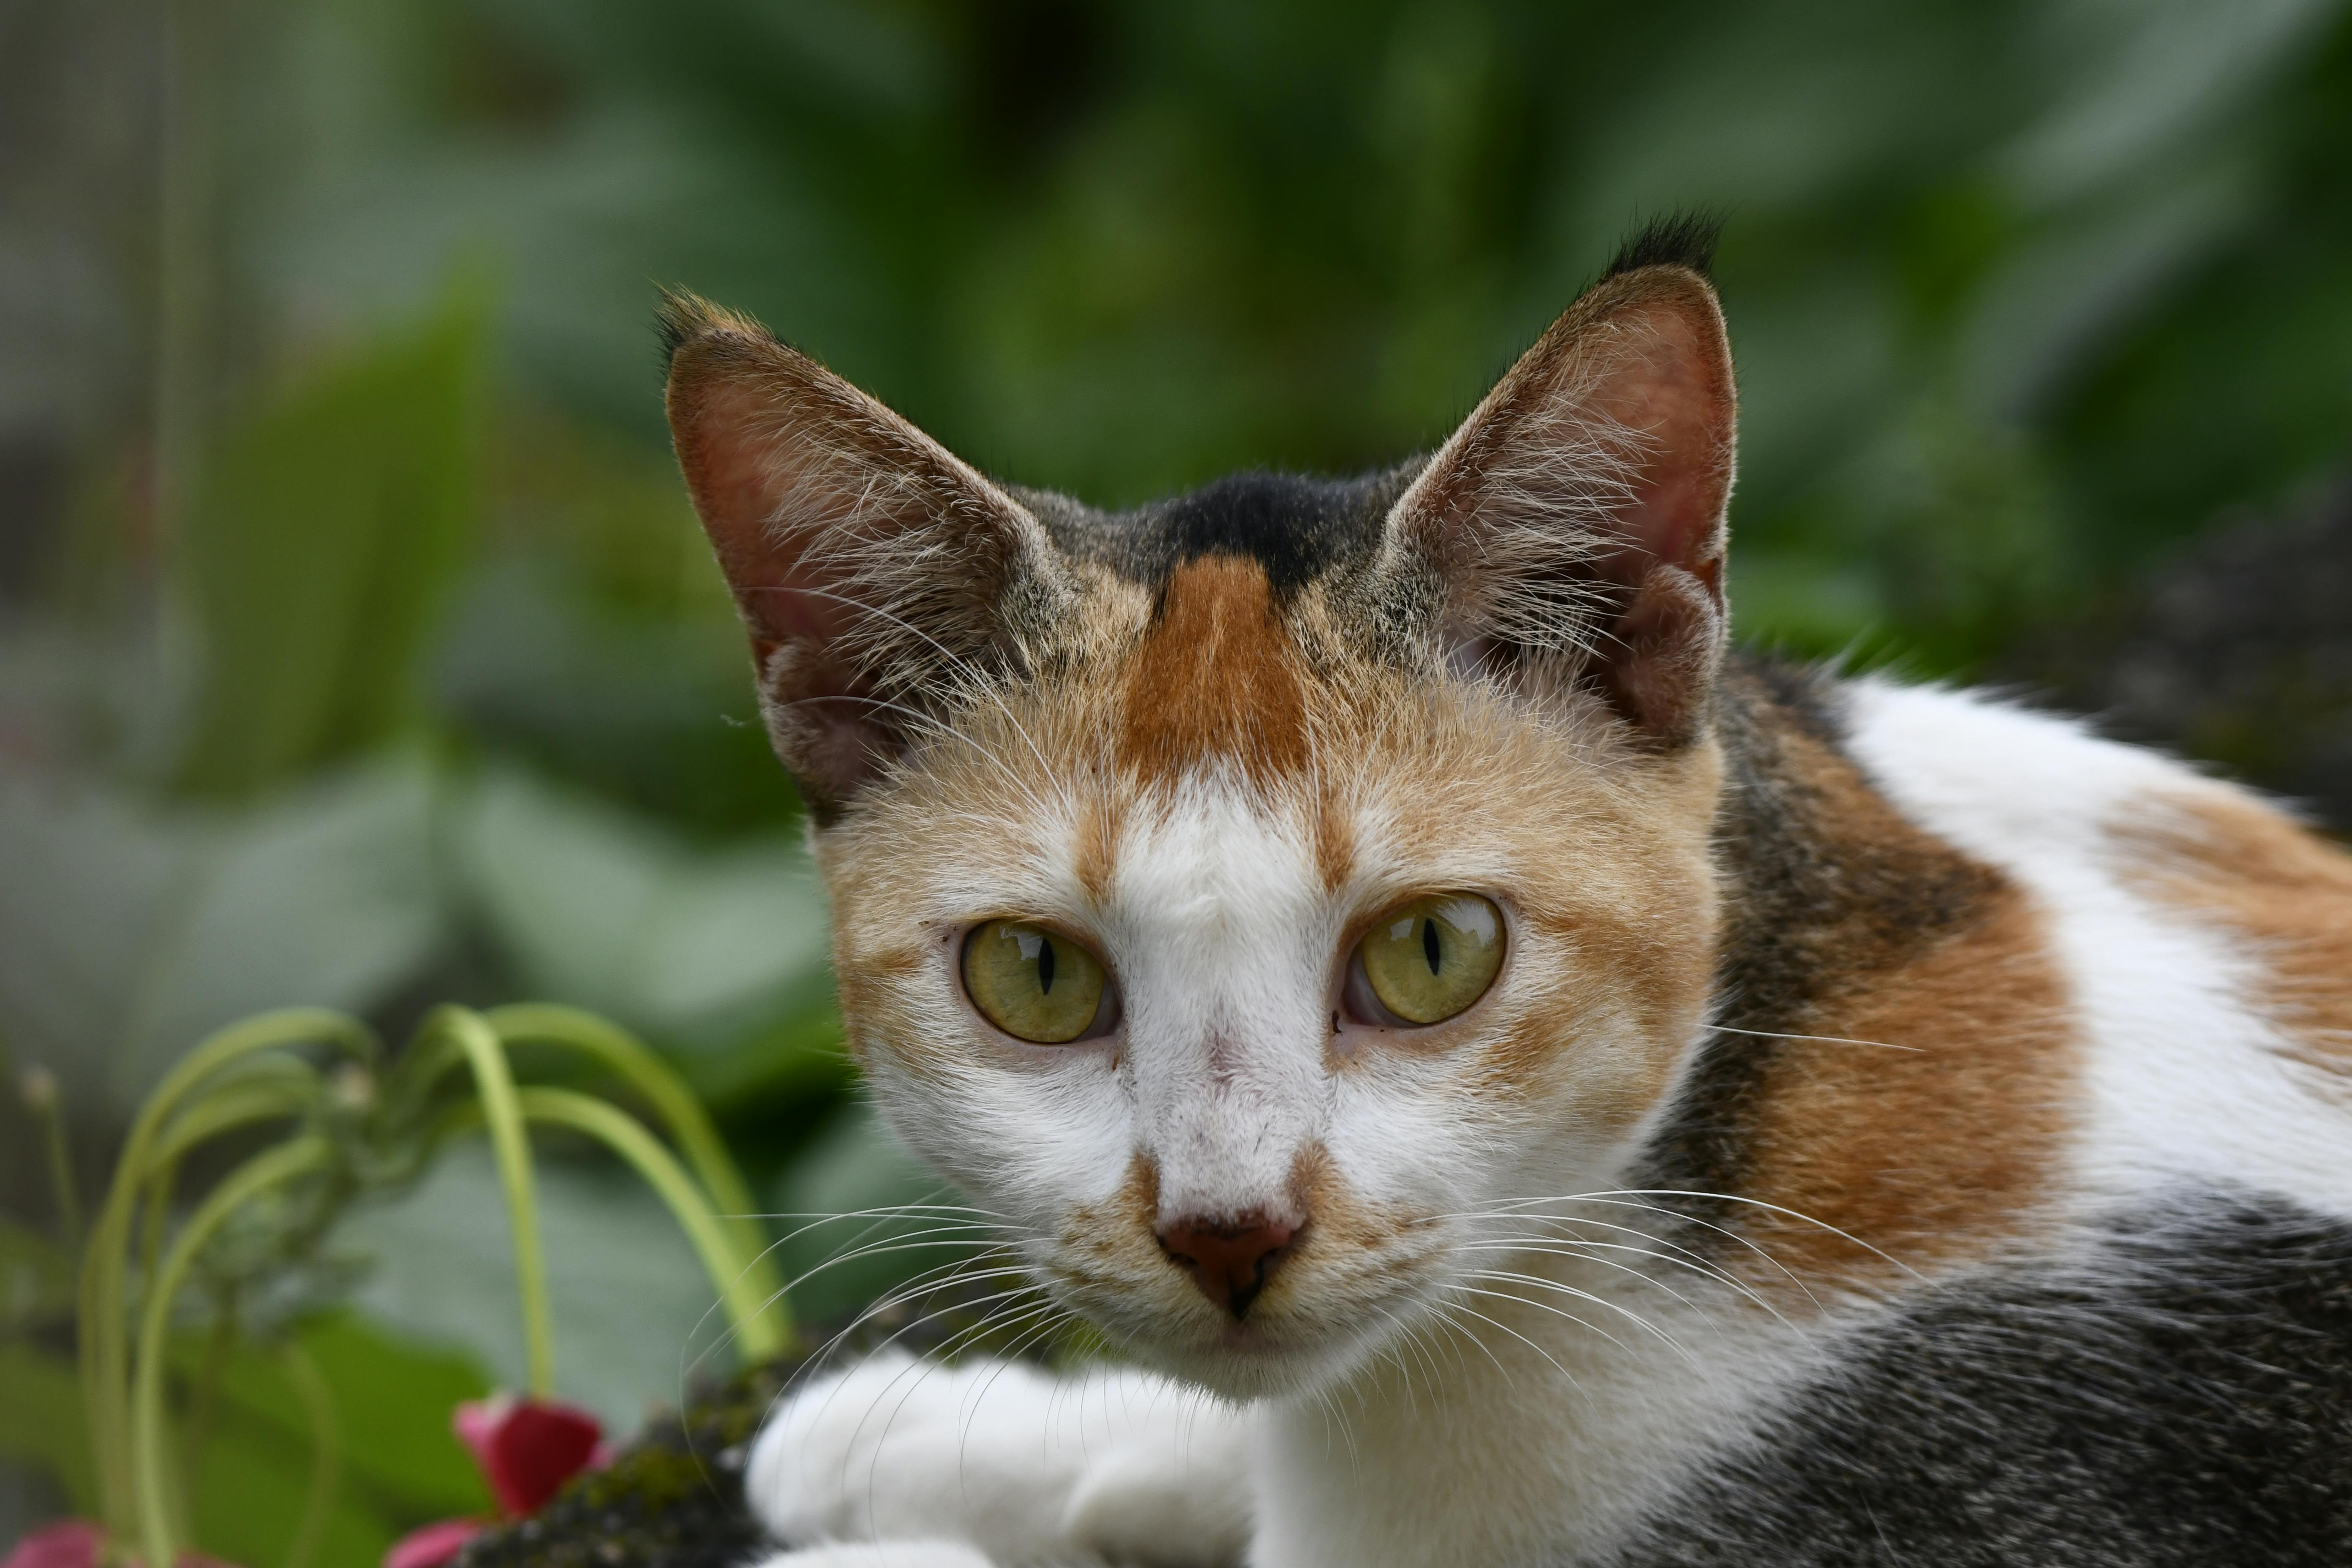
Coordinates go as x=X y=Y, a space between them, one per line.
x=1250 y=896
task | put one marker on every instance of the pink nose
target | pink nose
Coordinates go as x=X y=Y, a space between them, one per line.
x=1229 y=1261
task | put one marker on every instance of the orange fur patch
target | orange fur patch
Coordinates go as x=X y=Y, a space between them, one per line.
x=1937 y=1149
x=2286 y=891
x=1216 y=676
x=1937 y=1138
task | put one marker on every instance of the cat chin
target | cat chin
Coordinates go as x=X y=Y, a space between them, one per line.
x=1250 y=1364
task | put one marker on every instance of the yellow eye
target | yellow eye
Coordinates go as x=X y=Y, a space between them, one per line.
x=1428 y=960
x=1033 y=984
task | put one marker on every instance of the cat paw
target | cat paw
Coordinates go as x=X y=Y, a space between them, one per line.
x=1022 y=1466
x=881 y=1554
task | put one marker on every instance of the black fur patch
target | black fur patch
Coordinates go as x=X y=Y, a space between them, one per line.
x=2185 y=1402
x=1300 y=530
x=1678 y=239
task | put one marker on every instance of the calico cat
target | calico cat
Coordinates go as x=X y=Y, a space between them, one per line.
x=1514 y=1081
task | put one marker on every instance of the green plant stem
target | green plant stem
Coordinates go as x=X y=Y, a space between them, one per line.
x=103 y=1331
x=150 y=1483
x=757 y=1323
x=494 y=1087
x=46 y=1102
x=201 y=1406
x=227 y=1109
x=681 y=1115
x=326 y=1454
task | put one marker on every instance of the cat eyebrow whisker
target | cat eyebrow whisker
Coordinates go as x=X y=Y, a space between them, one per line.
x=977 y=681
x=931 y=724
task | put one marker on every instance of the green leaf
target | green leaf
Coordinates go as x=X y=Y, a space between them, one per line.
x=392 y=1400
x=606 y=911
x=398 y=1463
x=128 y=932
x=41 y=1420
x=323 y=541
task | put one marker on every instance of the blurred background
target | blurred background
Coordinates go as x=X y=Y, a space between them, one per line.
x=357 y=645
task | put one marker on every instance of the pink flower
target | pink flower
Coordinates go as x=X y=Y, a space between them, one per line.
x=67 y=1543
x=433 y=1545
x=77 y=1543
x=526 y=1449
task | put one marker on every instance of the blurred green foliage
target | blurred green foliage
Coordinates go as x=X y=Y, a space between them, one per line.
x=357 y=647
x=326 y=534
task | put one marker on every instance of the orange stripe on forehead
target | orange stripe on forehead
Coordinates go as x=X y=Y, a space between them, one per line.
x=1215 y=677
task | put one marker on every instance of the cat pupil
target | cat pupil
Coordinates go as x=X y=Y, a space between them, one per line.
x=1429 y=947
x=1045 y=967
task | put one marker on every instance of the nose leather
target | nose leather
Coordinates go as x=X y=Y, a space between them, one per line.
x=1229 y=1260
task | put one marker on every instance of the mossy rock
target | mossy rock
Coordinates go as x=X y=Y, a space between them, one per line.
x=673 y=1499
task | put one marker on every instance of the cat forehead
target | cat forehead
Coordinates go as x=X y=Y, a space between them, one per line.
x=1296 y=529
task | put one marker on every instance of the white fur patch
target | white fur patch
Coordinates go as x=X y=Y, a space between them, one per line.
x=2185 y=1080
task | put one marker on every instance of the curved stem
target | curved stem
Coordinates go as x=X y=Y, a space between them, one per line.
x=233 y=1106
x=104 y=1334
x=689 y=1125
x=494 y=1086
x=150 y=1486
x=752 y=1309
x=257 y=1098
x=326 y=1454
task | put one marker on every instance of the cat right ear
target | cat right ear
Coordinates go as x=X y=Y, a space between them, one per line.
x=1573 y=528
x=868 y=563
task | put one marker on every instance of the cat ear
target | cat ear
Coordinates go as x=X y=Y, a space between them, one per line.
x=1574 y=525
x=869 y=565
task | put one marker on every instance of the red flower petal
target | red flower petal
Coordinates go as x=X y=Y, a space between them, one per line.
x=432 y=1545
x=67 y=1543
x=527 y=1449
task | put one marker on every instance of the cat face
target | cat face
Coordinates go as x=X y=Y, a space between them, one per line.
x=1252 y=898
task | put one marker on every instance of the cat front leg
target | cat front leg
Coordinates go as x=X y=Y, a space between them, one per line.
x=948 y=1467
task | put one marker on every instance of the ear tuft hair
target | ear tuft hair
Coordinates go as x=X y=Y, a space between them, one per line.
x=1678 y=239
x=682 y=317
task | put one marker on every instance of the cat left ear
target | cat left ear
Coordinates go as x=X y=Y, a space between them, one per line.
x=1575 y=524
x=870 y=565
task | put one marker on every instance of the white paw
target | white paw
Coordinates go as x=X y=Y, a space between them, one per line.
x=1027 y=1467
x=881 y=1554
